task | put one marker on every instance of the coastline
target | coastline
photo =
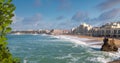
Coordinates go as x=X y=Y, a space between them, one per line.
x=91 y=40
x=95 y=39
x=94 y=43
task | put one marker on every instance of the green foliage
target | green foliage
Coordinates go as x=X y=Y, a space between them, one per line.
x=6 y=13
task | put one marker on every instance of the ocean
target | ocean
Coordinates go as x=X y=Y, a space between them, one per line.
x=56 y=49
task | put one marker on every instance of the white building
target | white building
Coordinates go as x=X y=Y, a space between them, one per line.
x=82 y=29
x=109 y=29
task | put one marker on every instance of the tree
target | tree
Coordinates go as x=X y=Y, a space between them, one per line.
x=6 y=13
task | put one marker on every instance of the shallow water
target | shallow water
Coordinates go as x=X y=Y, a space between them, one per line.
x=48 y=49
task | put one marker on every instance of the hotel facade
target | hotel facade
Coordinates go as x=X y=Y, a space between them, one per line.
x=109 y=30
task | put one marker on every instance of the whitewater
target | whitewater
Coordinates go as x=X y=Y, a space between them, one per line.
x=44 y=48
x=81 y=41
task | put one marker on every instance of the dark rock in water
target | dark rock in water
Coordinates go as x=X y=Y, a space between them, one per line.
x=109 y=46
x=116 y=61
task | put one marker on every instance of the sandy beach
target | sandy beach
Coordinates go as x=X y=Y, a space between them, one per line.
x=94 y=40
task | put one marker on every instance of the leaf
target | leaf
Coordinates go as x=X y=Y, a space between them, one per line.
x=6 y=13
x=7 y=23
x=1 y=1
x=8 y=29
x=0 y=28
x=9 y=0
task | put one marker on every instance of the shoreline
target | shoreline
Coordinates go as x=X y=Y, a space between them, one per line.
x=95 y=39
x=98 y=39
x=87 y=41
x=93 y=42
x=92 y=39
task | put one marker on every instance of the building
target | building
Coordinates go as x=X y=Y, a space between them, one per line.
x=83 y=29
x=59 y=32
x=109 y=29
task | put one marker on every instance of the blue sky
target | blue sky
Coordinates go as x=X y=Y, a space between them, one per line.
x=63 y=14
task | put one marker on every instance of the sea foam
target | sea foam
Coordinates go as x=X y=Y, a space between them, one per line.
x=81 y=41
x=71 y=39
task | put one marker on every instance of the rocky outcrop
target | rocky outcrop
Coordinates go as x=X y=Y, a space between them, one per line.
x=109 y=46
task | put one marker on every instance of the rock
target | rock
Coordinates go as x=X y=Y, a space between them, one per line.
x=109 y=46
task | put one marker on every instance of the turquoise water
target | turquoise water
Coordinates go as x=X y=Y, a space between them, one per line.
x=47 y=49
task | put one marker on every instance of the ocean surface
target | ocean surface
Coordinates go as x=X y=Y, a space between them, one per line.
x=56 y=49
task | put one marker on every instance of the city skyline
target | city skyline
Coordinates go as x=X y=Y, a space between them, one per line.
x=63 y=14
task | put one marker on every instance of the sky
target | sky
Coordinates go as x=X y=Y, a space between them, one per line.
x=63 y=14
